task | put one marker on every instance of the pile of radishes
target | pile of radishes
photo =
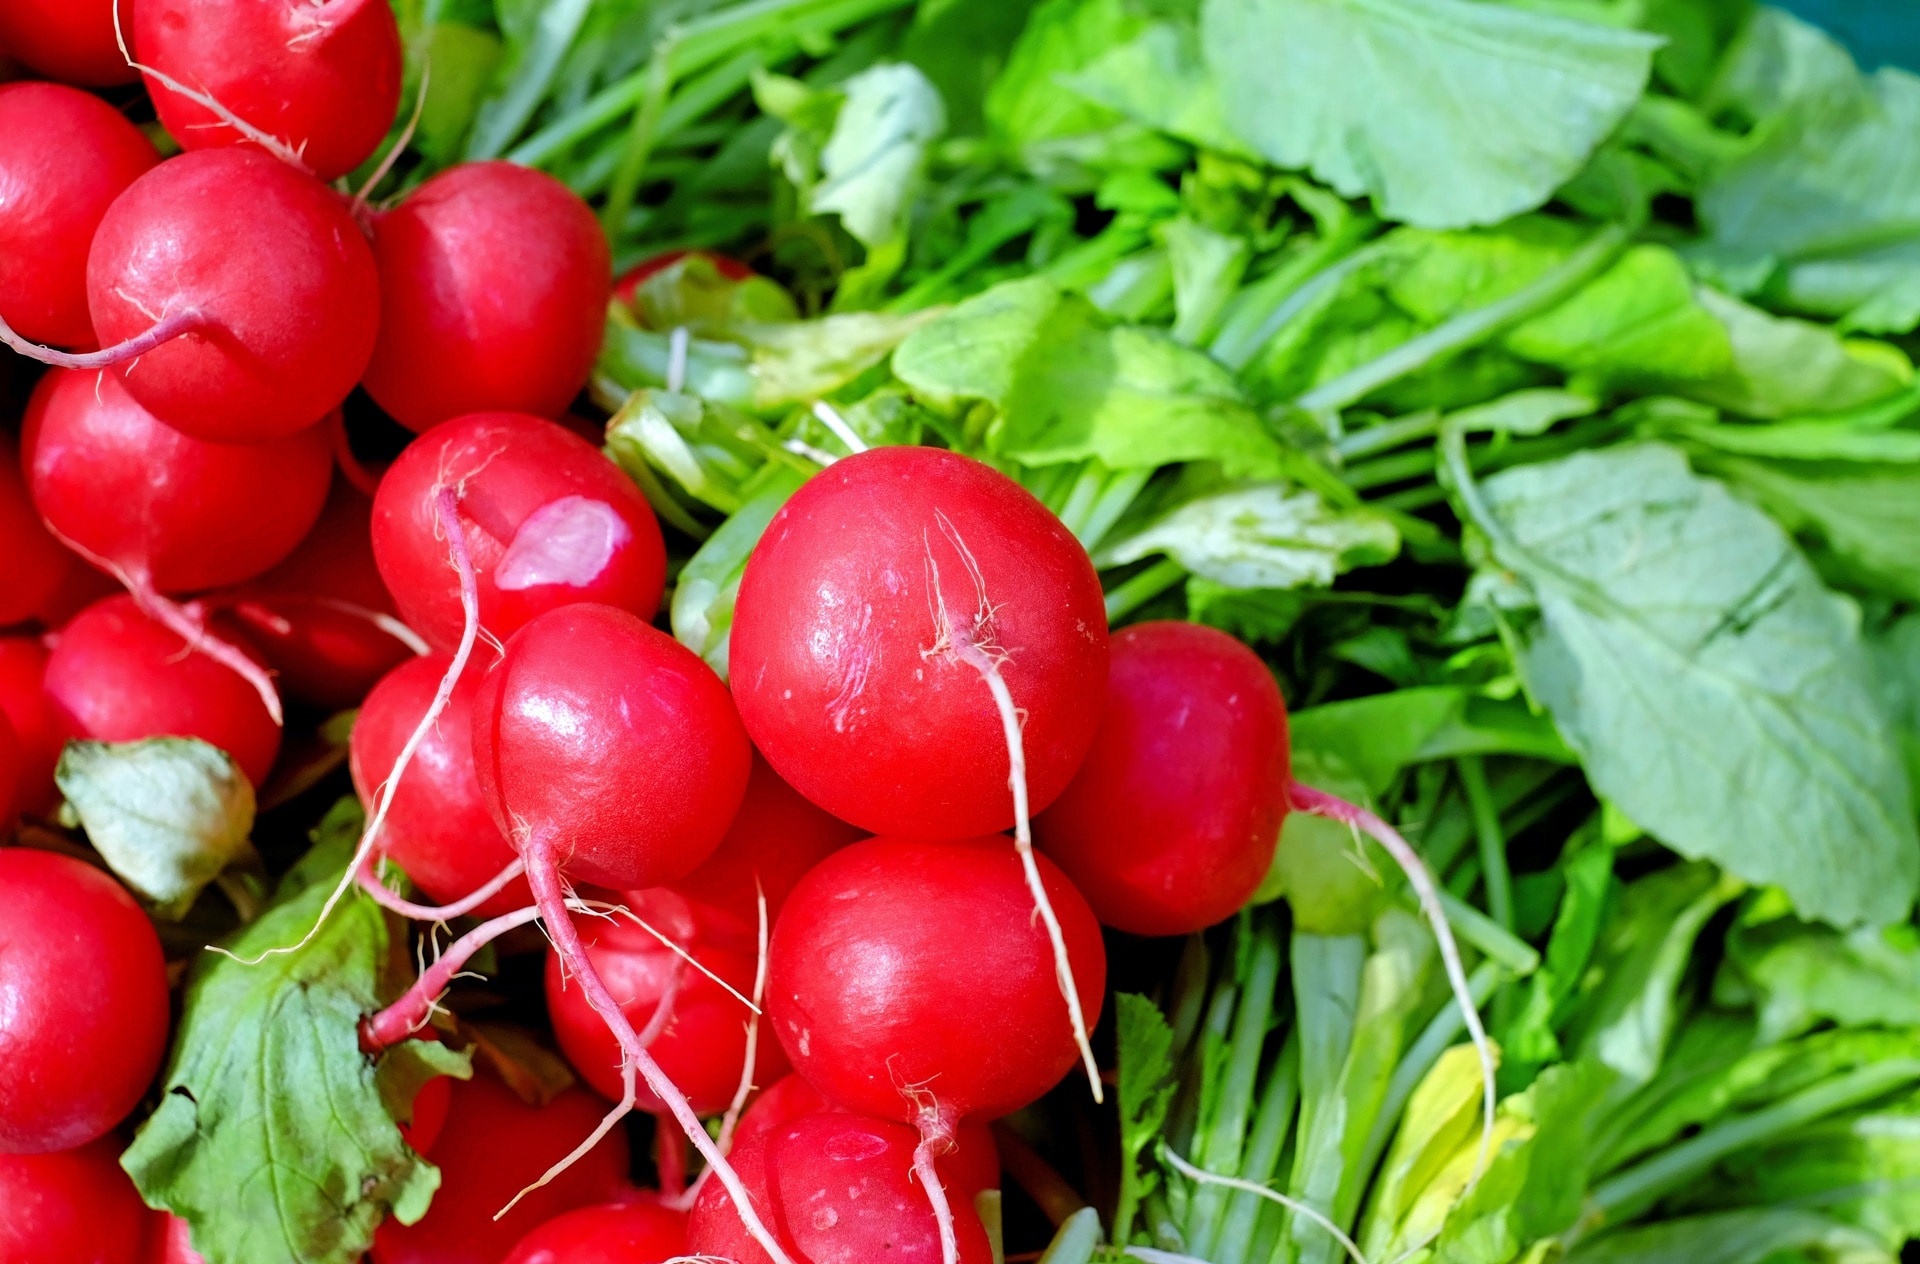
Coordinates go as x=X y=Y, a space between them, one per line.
x=808 y=870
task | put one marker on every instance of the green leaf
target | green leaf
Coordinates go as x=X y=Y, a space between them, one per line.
x=274 y=1137
x=1737 y=1237
x=692 y=291
x=797 y=362
x=1261 y=535
x=1026 y=105
x=1714 y=689
x=1330 y=878
x=1533 y=1037
x=1862 y=520
x=961 y=47
x=1782 y=366
x=1636 y=321
x=167 y=814
x=1145 y=1047
x=1383 y=733
x=1446 y=112
x=872 y=163
x=1160 y=80
x=703 y=597
x=1803 y=974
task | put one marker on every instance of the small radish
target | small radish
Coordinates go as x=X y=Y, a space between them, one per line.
x=172 y=1242
x=492 y=1145
x=33 y=565
x=437 y=828
x=322 y=618
x=23 y=666
x=119 y=676
x=637 y=1232
x=12 y=774
x=429 y=1112
x=1171 y=823
x=74 y=1059
x=918 y=924
x=65 y=155
x=494 y=284
x=71 y=1207
x=323 y=78
x=241 y=289
x=547 y=519
x=68 y=40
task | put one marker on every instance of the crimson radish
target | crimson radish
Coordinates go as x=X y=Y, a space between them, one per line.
x=85 y=1016
x=70 y=1207
x=65 y=155
x=68 y=40
x=33 y=565
x=547 y=519
x=119 y=676
x=12 y=773
x=637 y=1232
x=173 y=1243
x=23 y=665
x=322 y=78
x=494 y=284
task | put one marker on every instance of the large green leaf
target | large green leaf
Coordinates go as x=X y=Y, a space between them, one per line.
x=1713 y=688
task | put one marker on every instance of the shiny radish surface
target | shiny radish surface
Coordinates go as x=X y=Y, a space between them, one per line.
x=23 y=665
x=637 y=1232
x=33 y=565
x=67 y=40
x=71 y=1207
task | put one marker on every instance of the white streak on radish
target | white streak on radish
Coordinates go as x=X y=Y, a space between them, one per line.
x=565 y=541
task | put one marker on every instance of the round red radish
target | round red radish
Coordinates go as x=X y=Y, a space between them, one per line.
x=118 y=676
x=12 y=773
x=1171 y=823
x=33 y=565
x=168 y=510
x=430 y=1107
x=70 y=1207
x=841 y=1189
x=610 y=747
x=636 y=1232
x=437 y=828
x=322 y=77
x=492 y=1146
x=865 y=615
x=494 y=282
x=704 y=1043
x=172 y=1242
x=270 y=260
x=919 y=925
x=85 y=1016
x=65 y=155
x=547 y=518
x=322 y=618
x=68 y=40
x=23 y=664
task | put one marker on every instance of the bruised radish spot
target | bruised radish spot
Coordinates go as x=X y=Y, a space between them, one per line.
x=568 y=541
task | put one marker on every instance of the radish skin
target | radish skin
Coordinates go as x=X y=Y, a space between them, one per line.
x=73 y=1205
x=71 y=41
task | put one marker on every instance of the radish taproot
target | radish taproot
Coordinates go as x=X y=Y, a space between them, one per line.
x=494 y=283
x=65 y=155
x=71 y=1207
x=33 y=565
x=73 y=1059
x=639 y=1231
x=68 y=40
x=323 y=79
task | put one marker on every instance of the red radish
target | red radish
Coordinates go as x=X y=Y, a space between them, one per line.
x=70 y=1207
x=240 y=288
x=637 y=1232
x=437 y=828
x=494 y=284
x=842 y=1190
x=322 y=618
x=33 y=566
x=65 y=155
x=703 y=1044
x=322 y=78
x=633 y=278
x=68 y=40
x=492 y=1145
x=73 y=1059
x=118 y=676
x=1171 y=823
x=172 y=1243
x=429 y=1119
x=23 y=665
x=12 y=774
x=547 y=518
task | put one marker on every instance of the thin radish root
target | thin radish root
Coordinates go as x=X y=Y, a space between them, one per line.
x=386 y=899
x=936 y=1138
x=1294 y=1205
x=974 y=646
x=544 y=877
x=163 y=330
x=398 y=1021
x=731 y=1119
x=400 y=142
x=1333 y=808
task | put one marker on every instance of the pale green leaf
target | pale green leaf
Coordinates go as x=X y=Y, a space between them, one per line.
x=1262 y=535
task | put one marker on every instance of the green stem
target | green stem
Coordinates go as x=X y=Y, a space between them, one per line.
x=1489 y=936
x=1076 y=1241
x=1472 y=327
x=640 y=140
x=1116 y=498
x=1301 y=281
x=1397 y=468
x=1388 y=435
x=1264 y=1145
x=1224 y=1140
x=1144 y=587
x=1493 y=843
x=1081 y=495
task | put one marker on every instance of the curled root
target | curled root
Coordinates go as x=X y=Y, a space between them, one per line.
x=371 y=884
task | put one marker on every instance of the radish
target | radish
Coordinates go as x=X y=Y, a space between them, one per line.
x=1171 y=823
x=12 y=774
x=494 y=284
x=73 y=1059
x=841 y=1188
x=322 y=618
x=33 y=566
x=493 y=1144
x=172 y=1242
x=872 y=950
x=322 y=78
x=437 y=828
x=119 y=676
x=68 y=40
x=235 y=296
x=65 y=155
x=547 y=518
x=70 y=1207
x=637 y=1232
x=23 y=666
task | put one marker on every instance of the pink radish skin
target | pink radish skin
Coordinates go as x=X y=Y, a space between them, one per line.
x=324 y=78
x=23 y=665
x=263 y=269
x=637 y=1232
x=547 y=518
x=494 y=287
x=1171 y=823
x=437 y=828
x=33 y=565
x=118 y=676
x=68 y=40
x=65 y=155
x=71 y=1207
x=73 y=1060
